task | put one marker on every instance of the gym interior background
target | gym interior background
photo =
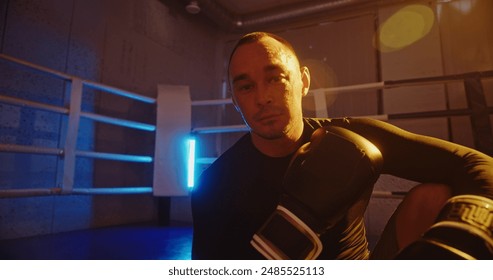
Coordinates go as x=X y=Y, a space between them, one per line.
x=136 y=45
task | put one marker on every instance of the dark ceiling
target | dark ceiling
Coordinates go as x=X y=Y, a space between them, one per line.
x=242 y=15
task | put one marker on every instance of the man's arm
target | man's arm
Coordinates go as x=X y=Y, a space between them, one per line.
x=204 y=222
x=464 y=227
x=427 y=159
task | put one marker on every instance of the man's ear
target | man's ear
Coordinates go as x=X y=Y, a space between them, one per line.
x=305 y=78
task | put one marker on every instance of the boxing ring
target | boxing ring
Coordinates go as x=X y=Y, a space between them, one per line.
x=173 y=127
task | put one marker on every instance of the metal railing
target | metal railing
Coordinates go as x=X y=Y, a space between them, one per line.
x=68 y=152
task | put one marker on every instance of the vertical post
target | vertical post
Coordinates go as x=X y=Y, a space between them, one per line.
x=173 y=126
x=71 y=137
x=480 y=118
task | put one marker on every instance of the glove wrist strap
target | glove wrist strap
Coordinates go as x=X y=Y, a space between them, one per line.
x=466 y=225
x=469 y=212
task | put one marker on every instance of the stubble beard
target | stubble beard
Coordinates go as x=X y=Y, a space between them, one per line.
x=272 y=132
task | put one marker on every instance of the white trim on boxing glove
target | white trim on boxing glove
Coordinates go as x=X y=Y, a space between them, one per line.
x=271 y=251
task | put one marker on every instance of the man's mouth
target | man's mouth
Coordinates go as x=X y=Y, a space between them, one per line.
x=268 y=118
x=267 y=115
x=264 y=118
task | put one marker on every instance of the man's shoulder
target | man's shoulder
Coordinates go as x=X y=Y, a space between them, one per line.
x=315 y=123
x=227 y=167
x=242 y=145
x=233 y=154
x=346 y=122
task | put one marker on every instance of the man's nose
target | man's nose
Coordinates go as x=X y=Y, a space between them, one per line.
x=263 y=95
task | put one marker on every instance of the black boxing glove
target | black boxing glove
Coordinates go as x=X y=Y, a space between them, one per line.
x=462 y=231
x=325 y=178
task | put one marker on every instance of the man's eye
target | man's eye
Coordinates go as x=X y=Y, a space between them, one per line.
x=244 y=87
x=276 y=79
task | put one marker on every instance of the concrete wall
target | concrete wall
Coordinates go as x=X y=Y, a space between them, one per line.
x=130 y=44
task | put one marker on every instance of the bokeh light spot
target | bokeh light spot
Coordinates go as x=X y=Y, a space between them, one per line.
x=405 y=27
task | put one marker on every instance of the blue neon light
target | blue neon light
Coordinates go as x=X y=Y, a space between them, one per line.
x=191 y=163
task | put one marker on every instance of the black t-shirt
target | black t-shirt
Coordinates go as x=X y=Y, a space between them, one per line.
x=240 y=190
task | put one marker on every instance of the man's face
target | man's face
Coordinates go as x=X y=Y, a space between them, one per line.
x=268 y=86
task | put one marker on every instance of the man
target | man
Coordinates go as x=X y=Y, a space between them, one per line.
x=239 y=192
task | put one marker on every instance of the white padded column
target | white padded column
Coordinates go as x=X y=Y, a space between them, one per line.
x=173 y=126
